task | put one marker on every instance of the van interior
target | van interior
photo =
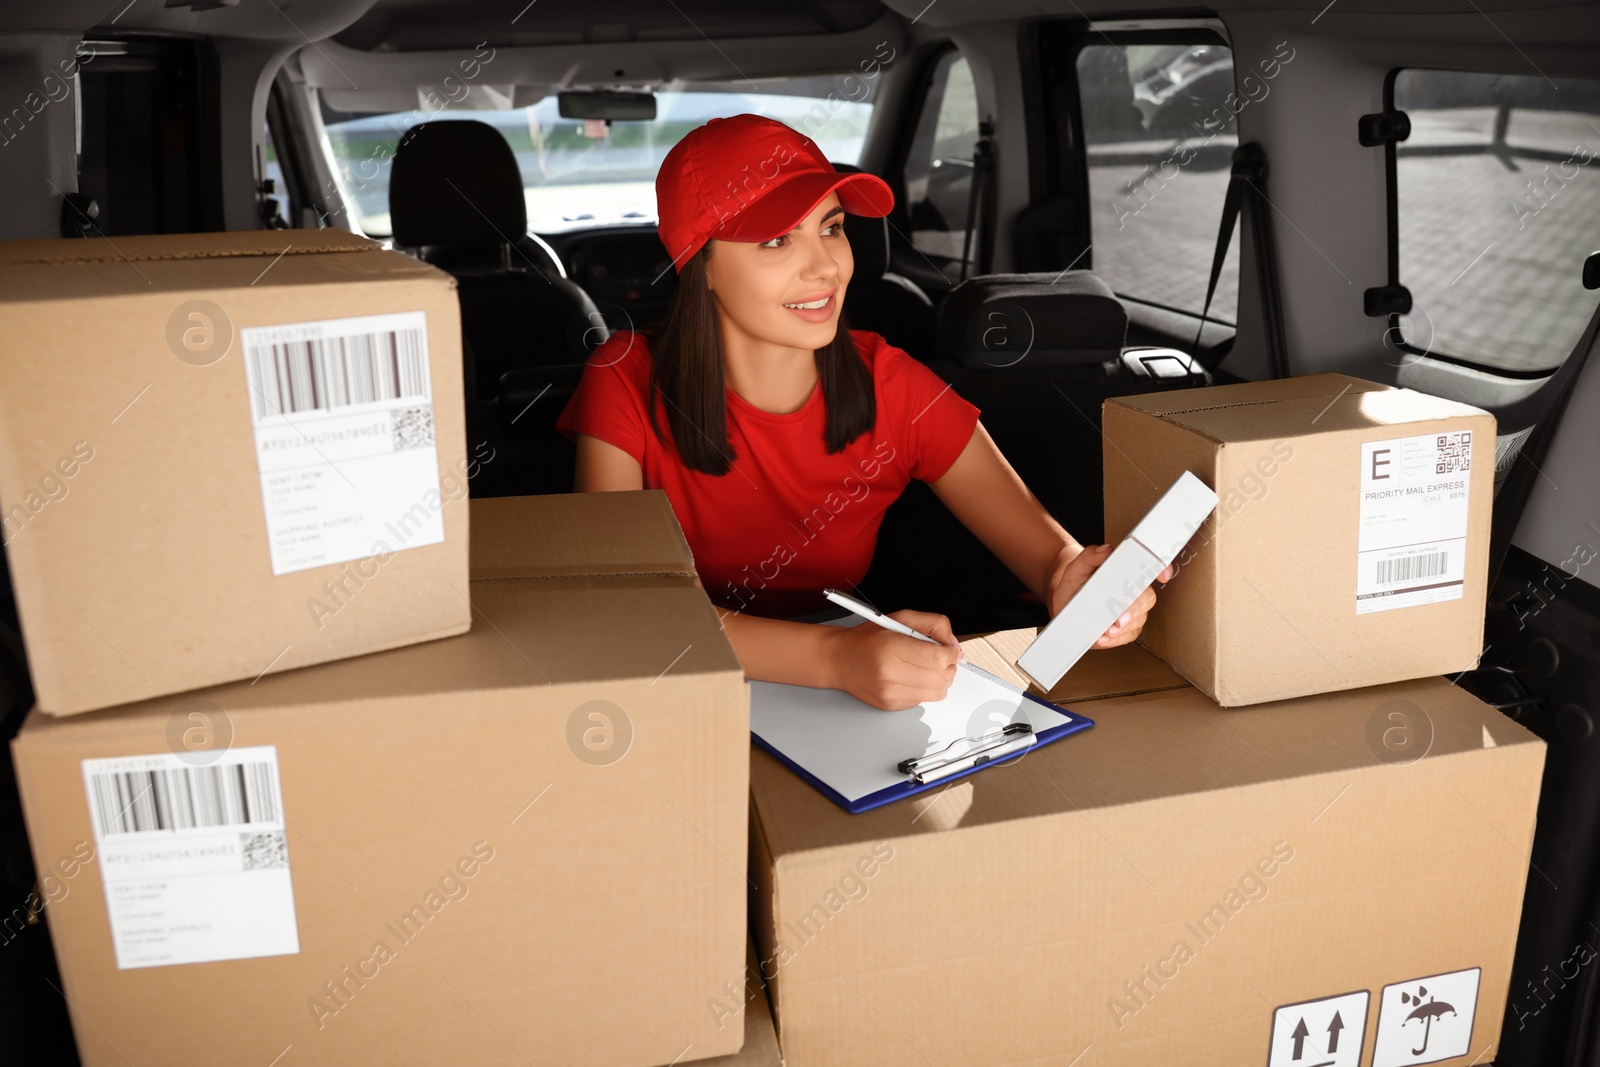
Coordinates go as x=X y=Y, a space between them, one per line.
x=1400 y=190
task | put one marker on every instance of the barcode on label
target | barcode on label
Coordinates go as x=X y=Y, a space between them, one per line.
x=327 y=373
x=239 y=794
x=1409 y=568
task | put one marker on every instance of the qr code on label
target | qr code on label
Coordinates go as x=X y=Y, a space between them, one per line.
x=413 y=428
x=264 y=851
x=1455 y=452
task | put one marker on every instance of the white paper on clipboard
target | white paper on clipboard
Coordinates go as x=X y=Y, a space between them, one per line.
x=855 y=748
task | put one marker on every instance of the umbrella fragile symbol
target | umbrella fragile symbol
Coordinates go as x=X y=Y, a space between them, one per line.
x=1426 y=1019
x=1426 y=1012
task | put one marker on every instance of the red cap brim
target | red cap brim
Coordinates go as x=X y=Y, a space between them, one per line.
x=785 y=206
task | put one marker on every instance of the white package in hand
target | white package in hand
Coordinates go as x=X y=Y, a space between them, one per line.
x=1130 y=568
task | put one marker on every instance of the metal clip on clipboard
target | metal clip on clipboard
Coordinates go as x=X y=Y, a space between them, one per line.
x=1014 y=737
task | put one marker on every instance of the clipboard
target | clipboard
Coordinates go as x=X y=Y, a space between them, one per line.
x=862 y=757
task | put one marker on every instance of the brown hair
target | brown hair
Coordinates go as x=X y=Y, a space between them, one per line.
x=687 y=372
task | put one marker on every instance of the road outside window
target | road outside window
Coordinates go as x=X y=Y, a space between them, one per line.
x=1499 y=203
x=1160 y=127
x=582 y=175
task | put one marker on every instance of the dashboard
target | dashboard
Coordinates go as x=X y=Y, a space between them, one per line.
x=625 y=270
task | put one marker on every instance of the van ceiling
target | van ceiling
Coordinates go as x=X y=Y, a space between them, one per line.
x=427 y=25
x=405 y=25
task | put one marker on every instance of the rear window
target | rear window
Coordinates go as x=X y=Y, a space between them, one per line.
x=581 y=175
x=1498 y=203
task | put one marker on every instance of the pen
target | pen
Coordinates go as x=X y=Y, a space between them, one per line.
x=845 y=600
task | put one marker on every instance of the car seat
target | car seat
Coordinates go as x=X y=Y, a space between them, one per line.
x=1037 y=353
x=456 y=201
x=879 y=300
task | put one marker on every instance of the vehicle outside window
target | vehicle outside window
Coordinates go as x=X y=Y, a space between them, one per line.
x=1498 y=204
x=1159 y=129
x=939 y=166
x=580 y=174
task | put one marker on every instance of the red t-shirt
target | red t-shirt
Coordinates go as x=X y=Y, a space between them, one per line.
x=788 y=519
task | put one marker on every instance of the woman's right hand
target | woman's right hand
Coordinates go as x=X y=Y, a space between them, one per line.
x=891 y=671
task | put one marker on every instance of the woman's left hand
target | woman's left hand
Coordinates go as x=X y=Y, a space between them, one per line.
x=1073 y=568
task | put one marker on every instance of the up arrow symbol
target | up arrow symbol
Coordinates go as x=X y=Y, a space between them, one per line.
x=1333 y=1033
x=1299 y=1036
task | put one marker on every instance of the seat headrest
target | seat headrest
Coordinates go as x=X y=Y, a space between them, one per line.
x=869 y=238
x=1049 y=319
x=455 y=182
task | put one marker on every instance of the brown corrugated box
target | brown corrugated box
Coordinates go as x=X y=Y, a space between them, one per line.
x=1265 y=604
x=1033 y=913
x=760 y=1037
x=132 y=494
x=590 y=731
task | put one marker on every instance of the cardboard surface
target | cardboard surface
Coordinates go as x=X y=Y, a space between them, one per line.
x=1264 y=606
x=760 y=1037
x=1158 y=887
x=1102 y=672
x=132 y=489
x=618 y=841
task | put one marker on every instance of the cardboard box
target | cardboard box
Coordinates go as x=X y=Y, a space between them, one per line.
x=529 y=837
x=226 y=454
x=1351 y=543
x=760 y=1037
x=1181 y=883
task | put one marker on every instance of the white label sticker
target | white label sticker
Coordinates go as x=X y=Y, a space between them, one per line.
x=1320 y=1033
x=1412 y=544
x=343 y=417
x=1426 y=1019
x=193 y=856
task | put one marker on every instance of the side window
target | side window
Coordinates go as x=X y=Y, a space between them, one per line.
x=274 y=192
x=1498 y=203
x=1159 y=130
x=938 y=171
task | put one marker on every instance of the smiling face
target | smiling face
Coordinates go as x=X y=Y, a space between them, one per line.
x=757 y=285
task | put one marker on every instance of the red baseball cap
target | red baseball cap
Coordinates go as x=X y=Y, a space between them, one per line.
x=750 y=178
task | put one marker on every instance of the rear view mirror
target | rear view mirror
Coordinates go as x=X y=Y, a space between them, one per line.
x=633 y=107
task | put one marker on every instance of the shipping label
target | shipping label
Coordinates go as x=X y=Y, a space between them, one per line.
x=194 y=856
x=1412 y=542
x=343 y=418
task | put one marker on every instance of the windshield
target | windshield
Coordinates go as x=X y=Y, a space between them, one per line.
x=579 y=174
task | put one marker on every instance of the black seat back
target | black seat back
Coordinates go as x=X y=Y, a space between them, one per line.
x=455 y=183
x=456 y=200
x=1037 y=353
x=880 y=300
x=1032 y=322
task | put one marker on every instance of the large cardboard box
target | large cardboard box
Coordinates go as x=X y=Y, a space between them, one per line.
x=528 y=839
x=1350 y=546
x=1179 y=884
x=760 y=1047
x=226 y=454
